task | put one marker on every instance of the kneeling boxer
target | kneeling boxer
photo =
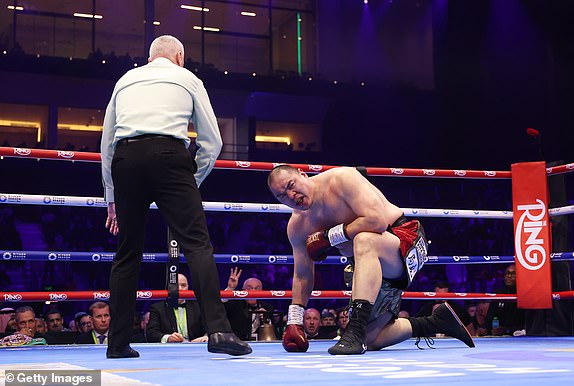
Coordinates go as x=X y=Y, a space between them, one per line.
x=341 y=208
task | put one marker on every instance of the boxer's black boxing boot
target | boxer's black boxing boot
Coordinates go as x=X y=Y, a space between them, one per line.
x=353 y=340
x=443 y=320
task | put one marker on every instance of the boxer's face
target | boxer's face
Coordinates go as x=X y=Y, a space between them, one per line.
x=292 y=189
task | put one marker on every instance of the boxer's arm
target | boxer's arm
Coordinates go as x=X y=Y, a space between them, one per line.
x=365 y=201
x=303 y=277
x=303 y=269
x=294 y=338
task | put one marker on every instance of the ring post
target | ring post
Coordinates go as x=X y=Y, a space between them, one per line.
x=531 y=235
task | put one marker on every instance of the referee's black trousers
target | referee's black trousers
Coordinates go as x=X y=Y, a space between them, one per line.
x=159 y=169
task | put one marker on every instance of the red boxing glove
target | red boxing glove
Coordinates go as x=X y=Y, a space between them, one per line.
x=294 y=339
x=318 y=243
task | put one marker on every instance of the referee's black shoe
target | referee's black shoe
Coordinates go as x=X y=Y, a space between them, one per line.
x=227 y=343
x=124 y=352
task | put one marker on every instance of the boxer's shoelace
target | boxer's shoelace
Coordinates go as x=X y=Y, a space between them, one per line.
x=428 y=340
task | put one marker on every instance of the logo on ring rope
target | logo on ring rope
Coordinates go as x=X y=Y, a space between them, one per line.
x=529 y=226
x=490 y=173
x=101 y=295
x=397 y=171
x=58 y=296
x=240 y=294
x=6 y=256
x=243 y=164
x=316 y=293
x=315 y=168
x=12 y=297
x=570 y=166
x=429 y=172
x=22 y=151
x=279 y=294
x=65 y=154
x=460 y=173
x=143 y=294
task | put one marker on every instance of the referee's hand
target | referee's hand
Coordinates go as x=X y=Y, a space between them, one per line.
x=111 y=220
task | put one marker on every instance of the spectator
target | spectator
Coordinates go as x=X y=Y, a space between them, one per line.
x=7 y=319
x=327 y=318
x=342 y=320
x=100 y=315
x=478 y=326
x=139 y=335
x=246 y=316
x=83 y=322
x=328 y=327
x=55 y=321
x=510 y=317
x=175 y=325
x=311 y=323
x=144 y=322
x=26 y=322
x=41 y=326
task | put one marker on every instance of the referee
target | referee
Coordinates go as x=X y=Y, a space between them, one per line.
x=144 y=160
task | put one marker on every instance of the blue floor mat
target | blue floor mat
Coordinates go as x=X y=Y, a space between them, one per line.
x=494 y=361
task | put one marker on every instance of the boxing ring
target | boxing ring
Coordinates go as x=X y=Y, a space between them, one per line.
x=514 y=360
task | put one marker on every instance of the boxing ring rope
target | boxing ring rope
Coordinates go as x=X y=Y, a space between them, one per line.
x=237 y=258
x=250 y=207
x=265 y=166
x=44 y=154
x=328 y=294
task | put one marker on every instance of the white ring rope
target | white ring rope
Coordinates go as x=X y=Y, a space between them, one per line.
x=246 y=207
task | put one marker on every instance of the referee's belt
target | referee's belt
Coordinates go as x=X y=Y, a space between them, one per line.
x=146 y=137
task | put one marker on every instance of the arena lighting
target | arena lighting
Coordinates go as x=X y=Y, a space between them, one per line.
x=270 y=138
x=213 y=29
x=156 y=23
x=252 y=14
x=34 y=125
x=194 y=8
x=88 y=15
x=17 y=8
x=96 y=128
x=365 y=1
x=77 y=127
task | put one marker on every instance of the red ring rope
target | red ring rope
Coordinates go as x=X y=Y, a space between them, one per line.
x=262 y=166
x=329 y=294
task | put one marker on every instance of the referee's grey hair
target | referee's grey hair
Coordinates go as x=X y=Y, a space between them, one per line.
x=165 y=46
